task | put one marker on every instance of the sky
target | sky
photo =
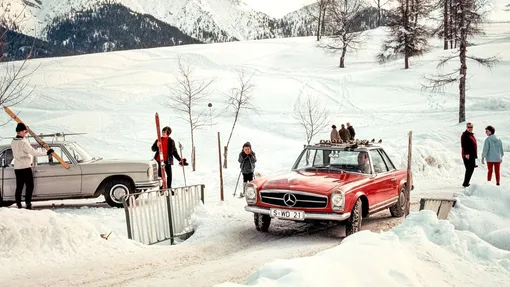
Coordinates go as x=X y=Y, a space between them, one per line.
x=277 y=8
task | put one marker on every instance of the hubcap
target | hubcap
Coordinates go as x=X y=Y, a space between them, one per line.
x=118 y=191
x=402 y=198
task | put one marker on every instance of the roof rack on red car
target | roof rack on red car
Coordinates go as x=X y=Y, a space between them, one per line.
x=348 y=144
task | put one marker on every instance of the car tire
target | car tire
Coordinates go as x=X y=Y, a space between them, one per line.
x=399 y=208
x=115 y=189
x=262 y=221
x=354 y=222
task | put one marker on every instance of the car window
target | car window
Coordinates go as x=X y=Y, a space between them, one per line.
x=387 y=159
x=377 y=160
x=45 y=160
x=7 y=159
x=319 y=158
x=74 y=153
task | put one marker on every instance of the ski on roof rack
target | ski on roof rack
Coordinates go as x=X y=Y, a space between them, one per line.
x=348 y=144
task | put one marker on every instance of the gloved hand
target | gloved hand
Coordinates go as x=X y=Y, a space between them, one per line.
x=183 y=162
x=50 y=151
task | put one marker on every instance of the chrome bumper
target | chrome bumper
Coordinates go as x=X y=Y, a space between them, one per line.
x=308 y=215
x=147 y=184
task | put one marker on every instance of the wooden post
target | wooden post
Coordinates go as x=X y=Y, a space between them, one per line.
x=409 y=179
x=221 y=169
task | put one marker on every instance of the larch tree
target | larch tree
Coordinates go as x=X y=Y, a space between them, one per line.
x=470 y=16
x=407 y=37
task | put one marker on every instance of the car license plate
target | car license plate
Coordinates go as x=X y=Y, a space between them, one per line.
x=287 y=214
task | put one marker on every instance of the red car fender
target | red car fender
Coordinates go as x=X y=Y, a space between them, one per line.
x=350 y=199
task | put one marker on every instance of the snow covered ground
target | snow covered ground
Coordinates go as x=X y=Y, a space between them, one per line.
x=113 y=97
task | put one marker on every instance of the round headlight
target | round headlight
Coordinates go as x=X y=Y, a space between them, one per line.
x=337 y=199
x=250 y=193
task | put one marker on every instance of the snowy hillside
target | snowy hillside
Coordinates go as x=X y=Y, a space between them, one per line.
x=113 y=97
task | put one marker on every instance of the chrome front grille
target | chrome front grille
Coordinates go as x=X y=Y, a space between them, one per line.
x=291 y=198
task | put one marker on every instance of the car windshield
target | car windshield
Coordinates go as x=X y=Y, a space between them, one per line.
x=333 y=160
x=78 y=152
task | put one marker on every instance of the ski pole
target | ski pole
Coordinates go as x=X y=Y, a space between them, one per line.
x=235 y=190
x=182 y=164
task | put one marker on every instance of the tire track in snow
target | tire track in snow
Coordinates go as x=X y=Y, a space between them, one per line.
x=230 y=255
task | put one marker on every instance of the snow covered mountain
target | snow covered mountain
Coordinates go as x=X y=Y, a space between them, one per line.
x=205 y=20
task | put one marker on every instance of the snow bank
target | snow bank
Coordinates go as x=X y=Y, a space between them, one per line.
x=422 y=251
x=38 y=237
x=485 y=211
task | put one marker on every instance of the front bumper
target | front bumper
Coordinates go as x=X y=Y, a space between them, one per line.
x=147 y=185
x=308 y=215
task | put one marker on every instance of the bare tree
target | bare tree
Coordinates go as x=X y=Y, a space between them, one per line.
x=317 y=13
x=342 y=15
x=380 y=4
x=311 y=114
x=239 y=99
x=470 y=17
x=407 y=36
x=14 y=77
x=187 y=95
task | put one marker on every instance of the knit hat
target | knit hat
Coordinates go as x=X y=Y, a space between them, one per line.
x=247 y=144
x=20 y=127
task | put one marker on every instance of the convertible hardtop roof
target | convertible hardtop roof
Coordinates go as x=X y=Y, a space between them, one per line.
x=352 y=144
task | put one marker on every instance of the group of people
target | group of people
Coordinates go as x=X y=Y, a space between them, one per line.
x=246 y=159
x=344 y=134
x=492 y=152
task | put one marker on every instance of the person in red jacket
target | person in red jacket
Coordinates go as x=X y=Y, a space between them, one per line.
x=169 y=152
x=469 y=153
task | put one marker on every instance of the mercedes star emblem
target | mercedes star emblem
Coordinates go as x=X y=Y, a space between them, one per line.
x=289 y=199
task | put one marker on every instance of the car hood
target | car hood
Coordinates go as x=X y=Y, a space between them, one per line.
x=121 y=164
x=312 y=181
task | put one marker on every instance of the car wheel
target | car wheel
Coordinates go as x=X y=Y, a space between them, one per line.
x=116 y=189
x=399 y=208
x=354 y=222
x=262 y=222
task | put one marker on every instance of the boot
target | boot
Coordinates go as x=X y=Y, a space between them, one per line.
x=242 y=191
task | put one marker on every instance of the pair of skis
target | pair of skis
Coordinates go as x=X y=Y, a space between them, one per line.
x=162 y=158
x=36 y=137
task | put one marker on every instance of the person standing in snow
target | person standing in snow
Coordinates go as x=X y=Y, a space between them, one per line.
x=23 y=154
x=351 y=131
x=344 y=134
x=469 y=152
x=247 y=160
x=493 y=152
x=169 y=152
x=335 y=137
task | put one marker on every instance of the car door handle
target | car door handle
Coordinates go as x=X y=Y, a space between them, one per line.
x=393 y=179
x=40 y=170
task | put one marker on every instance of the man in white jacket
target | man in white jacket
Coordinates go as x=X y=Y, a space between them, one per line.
x=23 y=152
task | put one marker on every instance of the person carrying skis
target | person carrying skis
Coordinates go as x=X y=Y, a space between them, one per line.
x=247 y=160
x=22 y=152
x=169 y=152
